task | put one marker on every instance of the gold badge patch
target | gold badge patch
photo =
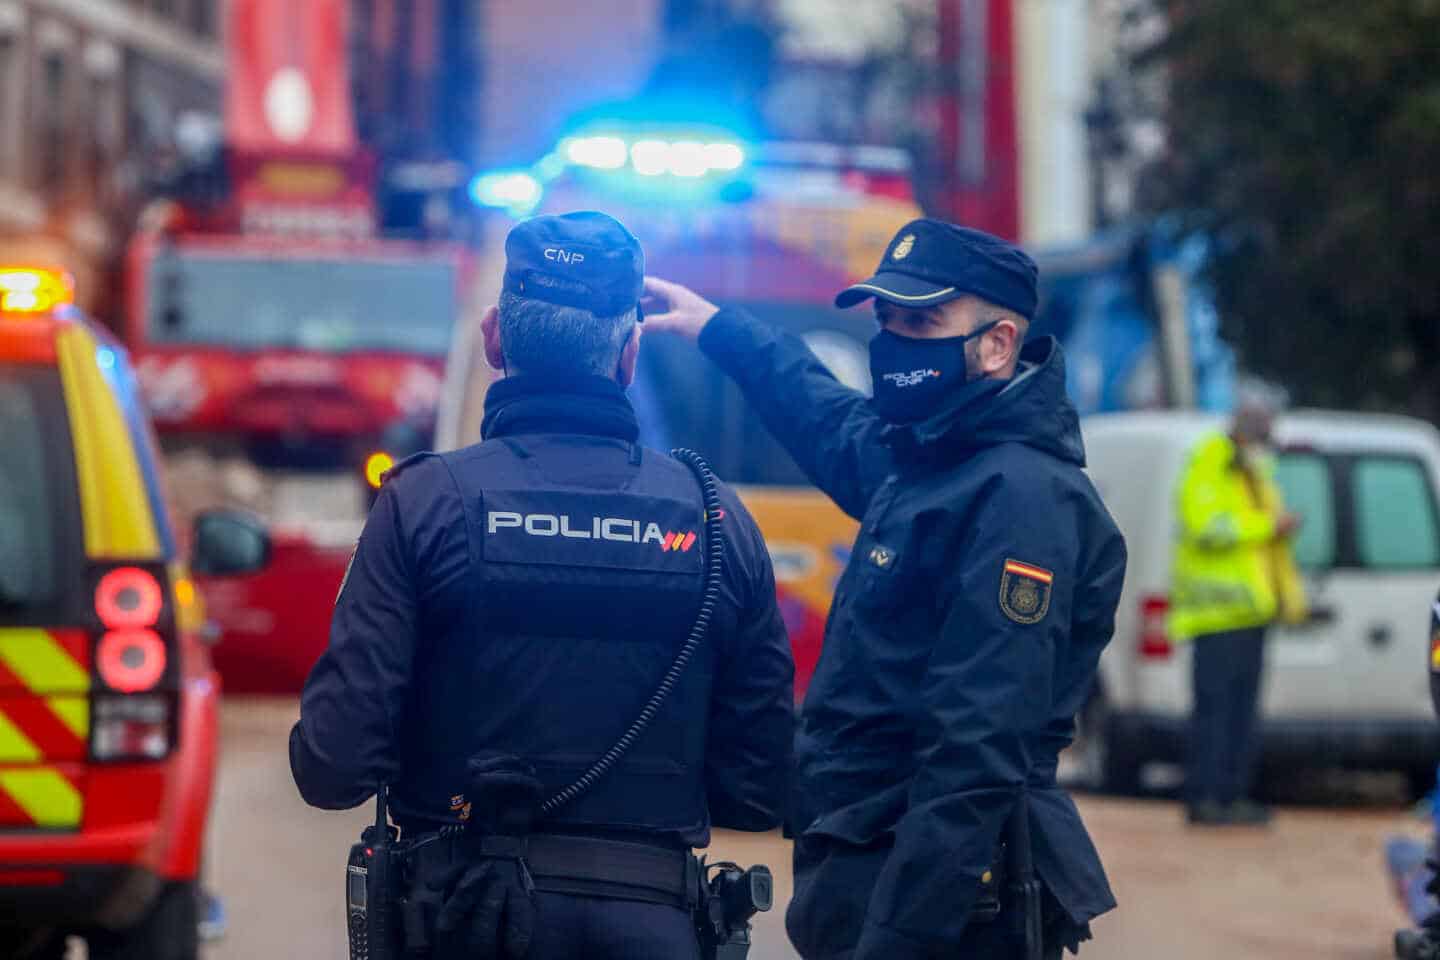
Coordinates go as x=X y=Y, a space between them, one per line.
x=1025 y=591
x=903 y=248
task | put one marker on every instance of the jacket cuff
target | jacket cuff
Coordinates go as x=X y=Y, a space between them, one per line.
x=879 y=942
x=731 y=338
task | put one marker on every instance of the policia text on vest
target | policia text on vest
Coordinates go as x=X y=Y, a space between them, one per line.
x=394 y=888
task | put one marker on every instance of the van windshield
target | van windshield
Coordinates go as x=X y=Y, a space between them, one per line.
x=39 y=516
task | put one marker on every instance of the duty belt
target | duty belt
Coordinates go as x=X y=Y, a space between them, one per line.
x=615 y=869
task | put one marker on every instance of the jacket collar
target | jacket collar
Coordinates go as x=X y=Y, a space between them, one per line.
x=533 y=403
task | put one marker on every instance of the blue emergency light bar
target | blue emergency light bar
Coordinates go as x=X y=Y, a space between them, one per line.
x=513 y=190
x=683 y=156
x=653 y=157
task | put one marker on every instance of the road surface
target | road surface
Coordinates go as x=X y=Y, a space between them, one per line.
x=1310 y=887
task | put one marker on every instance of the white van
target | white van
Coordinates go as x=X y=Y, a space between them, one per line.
x=1349 y=688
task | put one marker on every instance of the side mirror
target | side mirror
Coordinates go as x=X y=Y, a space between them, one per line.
x=228 y=543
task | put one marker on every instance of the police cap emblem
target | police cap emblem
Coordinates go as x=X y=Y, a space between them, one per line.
x=1025 y=591
x=903 y=248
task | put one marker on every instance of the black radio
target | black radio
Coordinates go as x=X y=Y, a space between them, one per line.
x=370 y=910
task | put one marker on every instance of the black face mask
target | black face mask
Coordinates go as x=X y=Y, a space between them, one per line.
x=912 y=377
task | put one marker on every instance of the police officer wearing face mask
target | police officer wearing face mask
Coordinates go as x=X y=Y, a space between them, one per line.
x=966 y=629
x=509 y=609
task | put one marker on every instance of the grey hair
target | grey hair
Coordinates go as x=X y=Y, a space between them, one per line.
x=1261 y=396
x=540 y=337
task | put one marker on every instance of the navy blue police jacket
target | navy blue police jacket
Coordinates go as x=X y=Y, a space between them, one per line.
x=963 y=638
x=524 y=596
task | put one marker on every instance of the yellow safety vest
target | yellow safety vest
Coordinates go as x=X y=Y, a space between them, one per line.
x=1230 y=570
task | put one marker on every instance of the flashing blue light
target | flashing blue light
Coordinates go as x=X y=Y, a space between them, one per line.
x=724 y=156
x=679 y=158
x=604 y=153
x=650 y=158
x=687 y=159
x=513 y=190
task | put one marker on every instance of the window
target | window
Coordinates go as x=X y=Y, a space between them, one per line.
x=331 y=305
x=1305 y=482
x=204 y=18
x=52 y=111
x=11 y=56
x=39 y=517
x=1395 y=524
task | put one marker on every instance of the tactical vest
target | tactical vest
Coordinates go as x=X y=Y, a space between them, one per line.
x=585 y=576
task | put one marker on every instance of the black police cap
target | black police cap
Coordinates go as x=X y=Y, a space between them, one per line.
x=930 y=261
x=584 y=259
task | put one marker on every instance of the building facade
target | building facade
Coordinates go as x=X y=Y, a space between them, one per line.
x=99 y=99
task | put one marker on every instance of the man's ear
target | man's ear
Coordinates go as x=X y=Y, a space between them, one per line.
x=629 y=356
x=490 y=333
x=1000 y=349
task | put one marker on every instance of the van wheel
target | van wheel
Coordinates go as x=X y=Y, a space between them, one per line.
x=1122 y=769
x=168 y=931
x=1106 y=763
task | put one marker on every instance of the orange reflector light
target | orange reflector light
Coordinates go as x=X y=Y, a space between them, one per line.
x=31 y=290
x=375 y=466
x=128 y=597
x=184 y=591
x=131 y=661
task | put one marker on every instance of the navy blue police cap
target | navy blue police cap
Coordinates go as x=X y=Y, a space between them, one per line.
x=930 y=261
x=584 y=259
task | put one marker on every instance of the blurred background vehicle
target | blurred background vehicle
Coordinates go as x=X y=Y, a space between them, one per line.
x=1343 y=689
x=108 y=699
x=284 y=339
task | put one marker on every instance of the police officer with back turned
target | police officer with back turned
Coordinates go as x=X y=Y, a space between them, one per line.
x=511 y=606
x=967 y=627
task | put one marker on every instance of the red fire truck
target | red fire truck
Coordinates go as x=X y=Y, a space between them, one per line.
x=288 y=351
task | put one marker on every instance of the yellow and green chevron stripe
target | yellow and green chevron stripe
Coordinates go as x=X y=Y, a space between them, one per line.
x=44 y=726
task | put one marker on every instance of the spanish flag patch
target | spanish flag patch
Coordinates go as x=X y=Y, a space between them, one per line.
x=1025 y=591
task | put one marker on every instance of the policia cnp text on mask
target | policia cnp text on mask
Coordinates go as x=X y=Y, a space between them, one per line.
x=966 y=629
x=509 y=609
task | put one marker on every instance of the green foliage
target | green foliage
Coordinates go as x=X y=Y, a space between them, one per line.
x=1307 y=133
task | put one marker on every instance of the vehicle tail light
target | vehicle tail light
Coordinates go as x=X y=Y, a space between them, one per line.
x=132 y=714
x=128 y=597
x=1154 y=640
x=134 y=727
x=131 y=661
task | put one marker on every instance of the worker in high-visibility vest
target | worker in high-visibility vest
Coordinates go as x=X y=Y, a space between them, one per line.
x=1233 y=576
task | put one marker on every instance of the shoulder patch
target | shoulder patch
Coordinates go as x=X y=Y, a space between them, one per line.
x=1025 y=591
